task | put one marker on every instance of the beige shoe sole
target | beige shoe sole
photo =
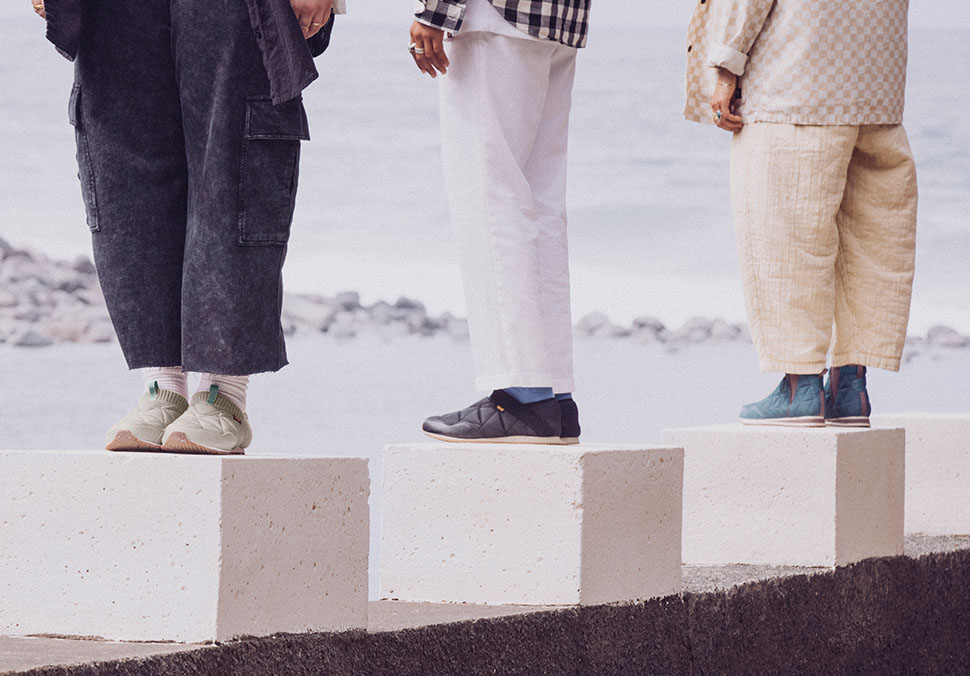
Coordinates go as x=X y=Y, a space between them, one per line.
x=126 y=441
x=553 y=441
x=801 y=421
x=177 y=442
x=857 y=421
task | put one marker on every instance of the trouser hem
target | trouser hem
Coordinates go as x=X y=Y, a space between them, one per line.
x=866 y=359
x=796 y=367
x=501 y=381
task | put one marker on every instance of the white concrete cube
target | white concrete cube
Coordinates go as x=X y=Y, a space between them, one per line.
x=150 y=547
x=544 y=525
x=937 y=470
x=789 y=496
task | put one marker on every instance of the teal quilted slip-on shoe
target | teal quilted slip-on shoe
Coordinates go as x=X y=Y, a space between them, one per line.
x=846 y=398
x=798 y=401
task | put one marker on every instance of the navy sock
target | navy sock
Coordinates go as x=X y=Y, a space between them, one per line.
x=564 y=395
x=529 y=395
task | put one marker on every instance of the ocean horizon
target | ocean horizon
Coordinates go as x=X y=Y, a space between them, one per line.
x=650 y=224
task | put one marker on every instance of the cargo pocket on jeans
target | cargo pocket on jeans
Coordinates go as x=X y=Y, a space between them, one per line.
x=269 y=170
x=84 y=165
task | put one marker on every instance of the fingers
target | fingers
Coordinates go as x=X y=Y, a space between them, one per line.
x=315 y=25
x=434 y=51
x=727 y=120
x=39 y=8
x=427 y=49
x=312 y=15
x=420 y=56
x=320 y=17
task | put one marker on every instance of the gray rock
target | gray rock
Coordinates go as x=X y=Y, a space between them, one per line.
x=611 y=330
x=423 y=325
x=648 y=323
x=71 y=284
x=722 y=332
x=647 y=337
x=348 y=300
x=343 y=326
x=944 y=336
x=100 y=331
x=591 y=323
x=28 y=314
x=694 y=330
x=92 y=296
x=457 y=328
x=405 y=303
x=381 y=313
x=307 y=312
x=31 y=338
x=84 y=265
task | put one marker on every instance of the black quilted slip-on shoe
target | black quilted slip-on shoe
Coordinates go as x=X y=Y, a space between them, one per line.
x=500 y=419
x=569 y=421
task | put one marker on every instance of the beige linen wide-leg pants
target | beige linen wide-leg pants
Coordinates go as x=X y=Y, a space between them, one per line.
x=505 y=106
x=825 y=218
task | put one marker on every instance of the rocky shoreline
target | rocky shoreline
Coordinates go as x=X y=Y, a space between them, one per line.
x=44 y=302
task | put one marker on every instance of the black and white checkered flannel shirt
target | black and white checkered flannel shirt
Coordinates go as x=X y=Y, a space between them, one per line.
x=564 y=21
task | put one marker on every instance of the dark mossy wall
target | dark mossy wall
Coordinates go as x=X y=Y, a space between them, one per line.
x=883 y=616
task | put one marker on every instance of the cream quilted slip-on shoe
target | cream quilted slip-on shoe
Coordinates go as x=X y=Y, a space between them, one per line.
x=212 y=425
x=142 y=429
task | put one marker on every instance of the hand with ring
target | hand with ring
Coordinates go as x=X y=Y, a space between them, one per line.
x=39 y=8
x=722 y=102
x=427 y=46
x=312 y=15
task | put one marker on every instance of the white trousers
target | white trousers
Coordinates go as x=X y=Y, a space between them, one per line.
x=826 y=224
x=505 y=105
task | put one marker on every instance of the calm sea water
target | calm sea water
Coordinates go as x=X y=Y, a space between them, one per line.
x=650 y=222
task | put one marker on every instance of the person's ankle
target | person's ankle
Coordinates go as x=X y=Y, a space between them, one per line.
x=232 y=388
x=529 y=395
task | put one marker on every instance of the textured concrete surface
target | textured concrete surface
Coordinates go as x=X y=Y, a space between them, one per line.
x=790 y=496
x=149 y=547
x=897 y=615
x=545 y=525
x=937 y=470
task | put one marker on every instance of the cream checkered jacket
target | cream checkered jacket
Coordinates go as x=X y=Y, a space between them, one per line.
x=820 y=62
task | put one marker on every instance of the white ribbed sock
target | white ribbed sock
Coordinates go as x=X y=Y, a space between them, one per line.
x=231 y=387
x=168 y=378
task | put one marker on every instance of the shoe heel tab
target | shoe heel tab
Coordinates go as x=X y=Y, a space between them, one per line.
x=213 y=394
x=153 y=390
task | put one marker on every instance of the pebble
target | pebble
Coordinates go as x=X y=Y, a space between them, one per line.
x=45 y=302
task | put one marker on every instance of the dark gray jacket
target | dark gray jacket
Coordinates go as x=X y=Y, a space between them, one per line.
x=288 y=58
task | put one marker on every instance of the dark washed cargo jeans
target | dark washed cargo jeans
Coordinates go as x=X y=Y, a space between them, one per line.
x=189 y=176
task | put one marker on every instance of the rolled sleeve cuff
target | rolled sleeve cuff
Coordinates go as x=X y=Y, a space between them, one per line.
x=722 y=56
x=440 y=14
